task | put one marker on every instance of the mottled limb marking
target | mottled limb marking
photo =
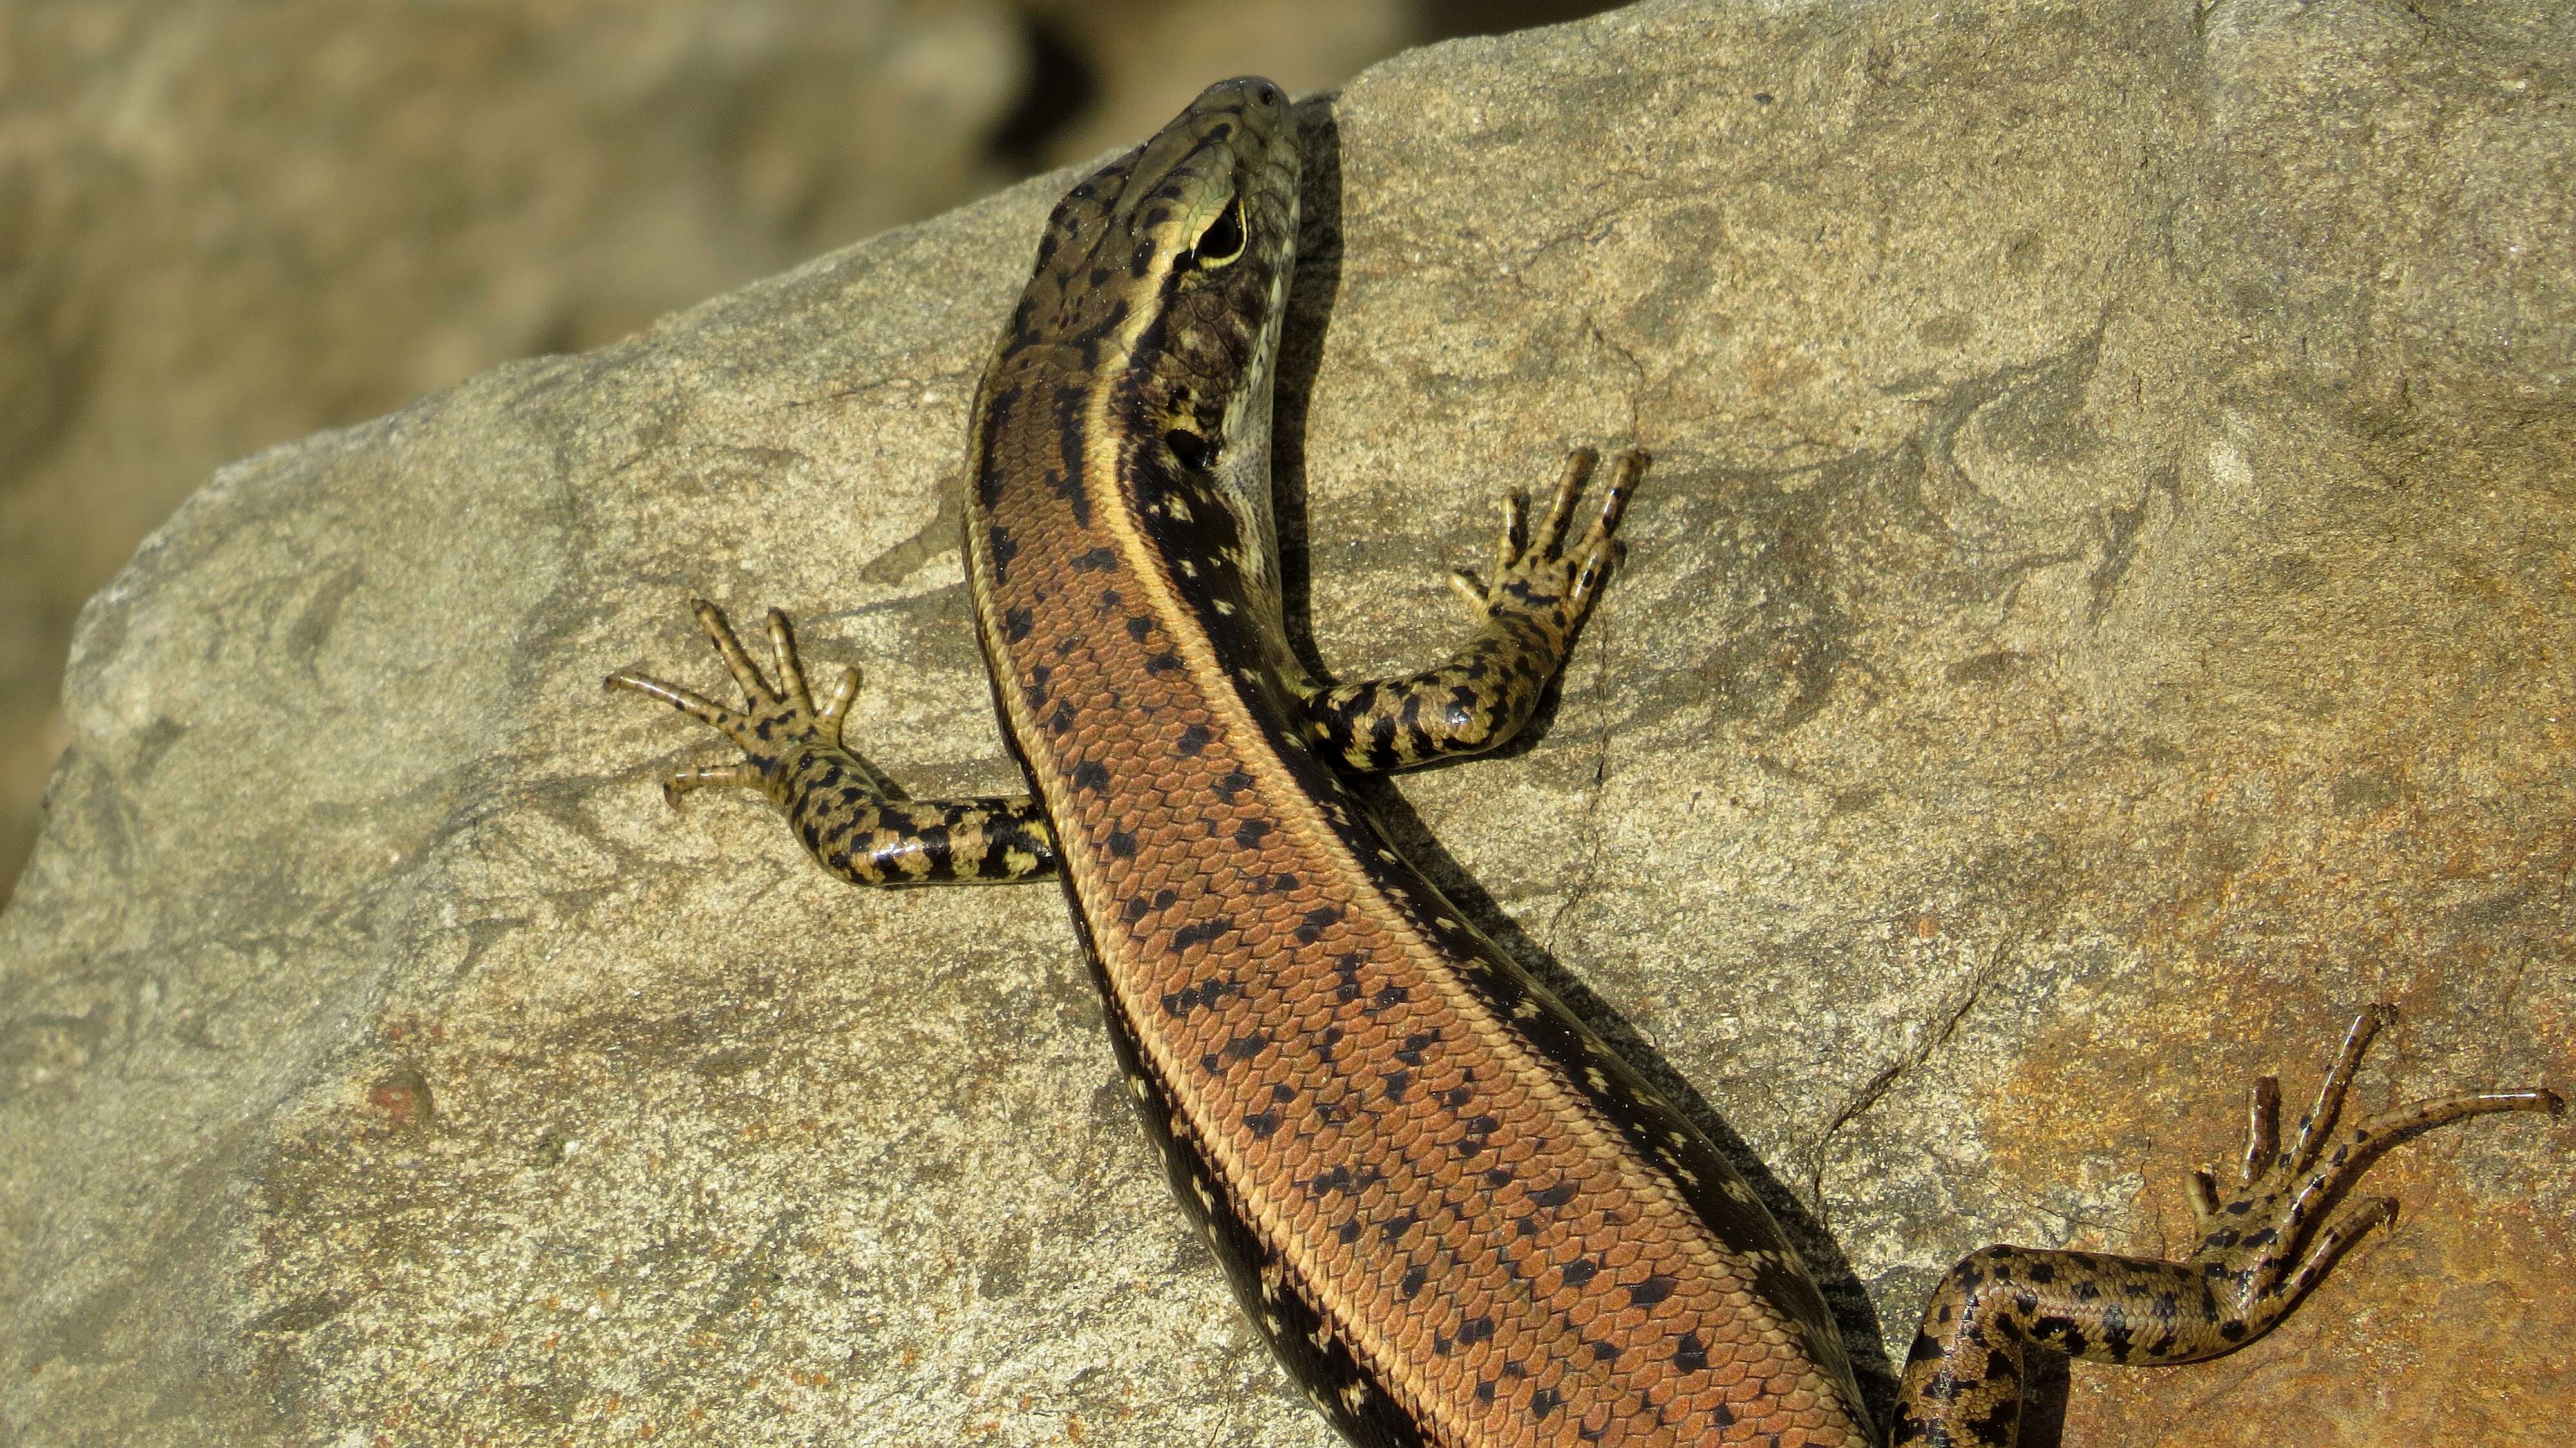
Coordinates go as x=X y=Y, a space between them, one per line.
x=853 y=820
x=2259 y=1253
x=1528 y=612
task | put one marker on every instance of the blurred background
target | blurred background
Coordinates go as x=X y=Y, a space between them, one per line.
x=224 y=225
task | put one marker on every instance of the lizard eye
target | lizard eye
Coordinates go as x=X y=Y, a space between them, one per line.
x=1222 y=242
x=1188 y=448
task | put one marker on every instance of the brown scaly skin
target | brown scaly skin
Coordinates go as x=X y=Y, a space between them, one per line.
x=2259 y=1253
x=1457 y=1217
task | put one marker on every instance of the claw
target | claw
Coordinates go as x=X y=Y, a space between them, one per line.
x=682 y=781
x=2336 y=1237
x=1624 y=472
x=688 y=701
x=1569 y=484
x=1599 y=550
x=719 y=631
x=1515 y=539
x=837 y=708
x=2422 y=1116
x=2262 y=1128
x=2202 y=1186
x=782 y=657
x=2317 y=1126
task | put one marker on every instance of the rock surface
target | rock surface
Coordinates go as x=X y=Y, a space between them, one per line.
x=2102 y=610
x=224 y=225
x=227 y=225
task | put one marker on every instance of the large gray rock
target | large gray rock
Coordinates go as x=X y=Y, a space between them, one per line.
x=223 y=225
x=2101 y=612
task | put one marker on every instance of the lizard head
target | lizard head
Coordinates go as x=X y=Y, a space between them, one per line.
x=1166 y=273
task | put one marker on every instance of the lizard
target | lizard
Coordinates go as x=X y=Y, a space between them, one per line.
x=1455 y=1214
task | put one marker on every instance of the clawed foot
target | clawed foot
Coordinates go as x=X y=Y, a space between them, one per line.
x=2258 y=1255
x=1531 y=575
x=852 y=820
x=2267 y=1245
x=774 y=727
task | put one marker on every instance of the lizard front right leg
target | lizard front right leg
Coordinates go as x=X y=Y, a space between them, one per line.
x=2259 y=1253
x=853 y=821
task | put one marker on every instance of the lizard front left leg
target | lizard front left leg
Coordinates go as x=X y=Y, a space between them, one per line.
x=1528 y=613
x=853 y=821
x=2258 y=1254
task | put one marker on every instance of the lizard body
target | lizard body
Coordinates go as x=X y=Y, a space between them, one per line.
x=1457 y=1217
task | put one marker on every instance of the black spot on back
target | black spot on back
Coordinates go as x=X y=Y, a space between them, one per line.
x=1201 y=932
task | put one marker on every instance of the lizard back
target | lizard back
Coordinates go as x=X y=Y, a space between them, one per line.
x=1453 y=1212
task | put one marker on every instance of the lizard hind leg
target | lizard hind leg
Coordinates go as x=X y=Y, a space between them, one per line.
x=2260 y=1250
